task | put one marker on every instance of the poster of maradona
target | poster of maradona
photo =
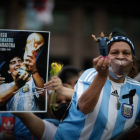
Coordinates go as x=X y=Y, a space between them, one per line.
x=24 y=58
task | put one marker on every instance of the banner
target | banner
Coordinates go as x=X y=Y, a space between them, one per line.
x=24 y=61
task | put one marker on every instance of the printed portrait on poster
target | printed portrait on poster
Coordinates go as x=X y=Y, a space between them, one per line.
x=24 y=58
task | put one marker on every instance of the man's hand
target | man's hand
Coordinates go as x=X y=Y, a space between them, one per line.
x=20 y=79
x=93 y=36
x=95 y=39
x=30 y=61
x=54 y=84
x=101 y=64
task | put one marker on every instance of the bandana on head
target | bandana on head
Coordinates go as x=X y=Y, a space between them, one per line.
x=118 y=35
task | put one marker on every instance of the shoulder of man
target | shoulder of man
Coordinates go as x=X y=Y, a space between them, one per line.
x=88 y=74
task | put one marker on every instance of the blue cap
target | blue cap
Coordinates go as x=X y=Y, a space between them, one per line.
x=118 y=35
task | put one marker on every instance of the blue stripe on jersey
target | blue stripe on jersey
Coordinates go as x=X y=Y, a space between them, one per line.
x=85 y=86
x=135 y=85
x=82 y=123
x=132 y=81
x=20 y=103
x=120 y=119
x=9 y=104
x=87 y=74
x=103 y=113
x=75 y=125
x=130 y=84
x=75 y=118
x=33 y=98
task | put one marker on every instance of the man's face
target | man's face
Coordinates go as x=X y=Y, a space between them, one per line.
x=102 y=34
x=14 y=64
x=120 y=50
x=121 y=59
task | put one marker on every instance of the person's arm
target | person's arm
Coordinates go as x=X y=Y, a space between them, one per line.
x=110 y=35
x=56 y=84
x=19 y=81
x=7 y=94
x=21 y=131
x=67 y=92
x=31 y=63
x=39 y=83
x=89 y=98
x=50 y=130
x=33 y=123
x=95 y=39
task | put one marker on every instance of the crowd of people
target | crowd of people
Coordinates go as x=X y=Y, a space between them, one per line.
x=100 y=103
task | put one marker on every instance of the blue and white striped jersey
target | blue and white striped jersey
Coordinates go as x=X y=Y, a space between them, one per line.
x=24 y=99
x=105 y=122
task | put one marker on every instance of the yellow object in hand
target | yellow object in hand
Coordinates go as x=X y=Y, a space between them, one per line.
x=55 y=68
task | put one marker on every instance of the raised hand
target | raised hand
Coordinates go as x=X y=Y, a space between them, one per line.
x=101 y=64
x=31 y=63
x=54 y=84
x=20 y=79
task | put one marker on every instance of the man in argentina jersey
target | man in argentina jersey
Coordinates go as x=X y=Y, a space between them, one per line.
x=105 y=105
x=19 y=94
x=24 y=99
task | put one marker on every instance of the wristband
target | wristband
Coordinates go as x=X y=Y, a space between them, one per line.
x=34 y=72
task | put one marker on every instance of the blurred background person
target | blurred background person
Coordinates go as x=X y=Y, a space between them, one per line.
x=57 y=102
x=70 y=74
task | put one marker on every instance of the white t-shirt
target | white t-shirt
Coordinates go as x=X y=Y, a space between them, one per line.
x=49 y=132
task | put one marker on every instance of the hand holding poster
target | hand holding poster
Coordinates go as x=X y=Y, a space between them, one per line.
x=24 y=64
